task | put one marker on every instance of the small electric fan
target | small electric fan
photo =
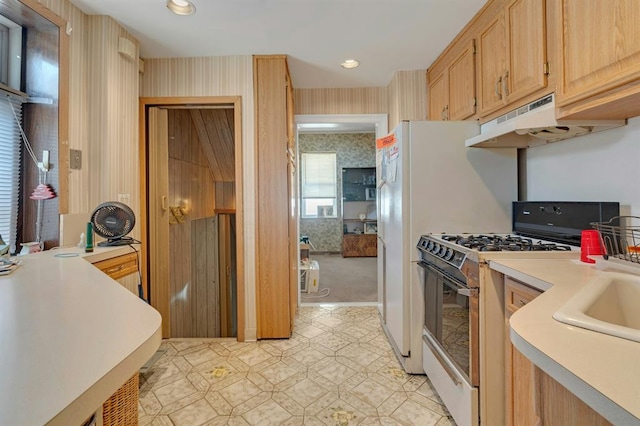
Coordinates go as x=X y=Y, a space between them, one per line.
x=113 y=220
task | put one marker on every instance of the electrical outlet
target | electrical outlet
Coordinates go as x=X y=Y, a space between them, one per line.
x=124 y=198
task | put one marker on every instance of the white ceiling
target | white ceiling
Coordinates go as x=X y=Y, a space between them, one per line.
x=317 y=35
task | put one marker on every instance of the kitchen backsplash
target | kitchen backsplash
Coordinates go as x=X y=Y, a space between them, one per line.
x=602 y=166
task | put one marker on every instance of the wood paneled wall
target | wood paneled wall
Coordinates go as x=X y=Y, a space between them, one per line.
x=193 y=258
x=218 y=76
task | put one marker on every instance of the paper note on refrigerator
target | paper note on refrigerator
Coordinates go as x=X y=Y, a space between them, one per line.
x=392 y=170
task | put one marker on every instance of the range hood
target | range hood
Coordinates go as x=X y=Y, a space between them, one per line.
x=535 y=124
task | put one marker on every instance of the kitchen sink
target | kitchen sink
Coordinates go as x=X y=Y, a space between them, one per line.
x=608 y=304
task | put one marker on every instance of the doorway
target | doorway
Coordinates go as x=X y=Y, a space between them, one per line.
x=192 y=241
x=344 y=277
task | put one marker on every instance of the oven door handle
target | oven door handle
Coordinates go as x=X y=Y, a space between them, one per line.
x=468 y=292
x=445 y=365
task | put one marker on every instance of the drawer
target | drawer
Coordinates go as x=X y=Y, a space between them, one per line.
x=120 y=266
x=517 y=294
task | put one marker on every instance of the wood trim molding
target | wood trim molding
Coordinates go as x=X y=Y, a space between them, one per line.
x=191 y=101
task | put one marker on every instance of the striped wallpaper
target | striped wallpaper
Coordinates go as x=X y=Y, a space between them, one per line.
x=103 y=114
x=405 y=98
x=78 y=99
x=361 y=100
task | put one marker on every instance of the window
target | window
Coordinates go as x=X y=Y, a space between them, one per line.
x=319 y=185
x=10 y=144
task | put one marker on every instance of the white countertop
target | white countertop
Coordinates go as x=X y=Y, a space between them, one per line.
x=70 y=336
x=602 y=370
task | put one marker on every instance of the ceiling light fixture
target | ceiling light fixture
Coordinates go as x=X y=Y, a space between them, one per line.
x=350 y=63
x=181 y=7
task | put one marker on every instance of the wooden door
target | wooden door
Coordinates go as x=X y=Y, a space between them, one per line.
x=526 y=48
x=228 y=294
x=294 y=238
x=462 y=85
x=158 y=212
x=601 y=47
x=272 y=198
x=438 y=98
x=492 y=66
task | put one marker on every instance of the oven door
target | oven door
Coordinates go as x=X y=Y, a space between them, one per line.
x=447 y=312
x=447 y=343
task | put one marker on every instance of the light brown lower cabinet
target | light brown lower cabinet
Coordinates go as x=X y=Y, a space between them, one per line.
x=519 y=371
x=533 y=397
x=119 y=266
x=556 y=405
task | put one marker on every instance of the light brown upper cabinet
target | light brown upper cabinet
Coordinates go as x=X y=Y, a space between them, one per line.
x=600 y=59
x=438 y=97
x=452 y=91
x=512 y=55
x=273 y=113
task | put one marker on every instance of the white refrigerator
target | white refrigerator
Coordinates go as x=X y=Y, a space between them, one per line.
x=429 y=182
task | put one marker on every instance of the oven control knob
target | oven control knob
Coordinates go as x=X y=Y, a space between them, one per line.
x=442 y=252
x=429 y=245
x=435 y=248
x=449 y=254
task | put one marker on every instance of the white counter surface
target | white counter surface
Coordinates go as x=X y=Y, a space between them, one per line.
x=70 y=336
x=602 y=370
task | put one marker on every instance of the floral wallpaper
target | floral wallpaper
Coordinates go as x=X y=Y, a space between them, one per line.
x=352 y=150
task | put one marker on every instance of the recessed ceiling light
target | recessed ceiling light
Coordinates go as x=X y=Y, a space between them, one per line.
x=350 y=63
x=181 y=7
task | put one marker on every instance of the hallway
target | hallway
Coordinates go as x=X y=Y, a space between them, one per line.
x=337 y=369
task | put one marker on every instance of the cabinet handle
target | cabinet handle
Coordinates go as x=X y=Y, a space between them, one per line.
x=446 y=112
x=497 y=87
x=505 y=86
x=163 y=203
x=522 y=302
x=442 y=114
x=114 y=269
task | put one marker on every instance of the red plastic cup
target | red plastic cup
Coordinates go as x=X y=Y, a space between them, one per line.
x=590 y=244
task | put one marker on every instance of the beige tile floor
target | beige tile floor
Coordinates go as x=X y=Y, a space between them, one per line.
x=336 y=369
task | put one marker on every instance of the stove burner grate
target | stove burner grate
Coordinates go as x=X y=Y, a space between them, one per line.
x=503 y=243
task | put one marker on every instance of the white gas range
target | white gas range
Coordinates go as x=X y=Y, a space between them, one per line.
x=454 y=272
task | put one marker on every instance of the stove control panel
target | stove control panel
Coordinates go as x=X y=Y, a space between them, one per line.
x=428 y=247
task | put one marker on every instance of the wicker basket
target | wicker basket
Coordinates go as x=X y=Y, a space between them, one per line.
x=121 y=408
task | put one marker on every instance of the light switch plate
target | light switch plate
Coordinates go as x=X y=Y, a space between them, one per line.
x=75 y=159
x=124 y=198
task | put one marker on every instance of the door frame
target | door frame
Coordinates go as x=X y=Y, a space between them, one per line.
x=337 y=123
x=149 y=289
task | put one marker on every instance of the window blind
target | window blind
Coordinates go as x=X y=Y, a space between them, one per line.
x=10 y=147
x=318 y=175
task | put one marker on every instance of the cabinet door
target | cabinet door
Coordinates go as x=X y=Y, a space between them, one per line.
x=492 y=66
x=601 y=47
x=526 y=48
x=519 y=371
x=462 y=85
x=438 y=101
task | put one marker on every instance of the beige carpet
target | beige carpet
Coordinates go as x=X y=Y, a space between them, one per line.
x=351 y=279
